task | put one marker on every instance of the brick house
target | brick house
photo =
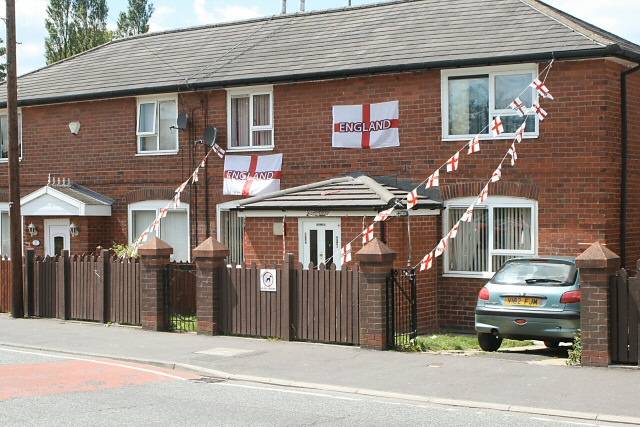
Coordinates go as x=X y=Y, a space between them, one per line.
x=101 y=155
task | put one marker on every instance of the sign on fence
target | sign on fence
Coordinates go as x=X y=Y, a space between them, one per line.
x=268 y=282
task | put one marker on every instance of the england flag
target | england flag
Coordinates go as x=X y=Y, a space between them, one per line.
x=252 y=175
x=366 y=126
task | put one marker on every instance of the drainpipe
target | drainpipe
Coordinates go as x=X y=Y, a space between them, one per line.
x=284 y=7
x=623 y=181
x=301 y=5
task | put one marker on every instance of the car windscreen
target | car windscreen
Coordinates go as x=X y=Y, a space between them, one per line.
x=538 y=273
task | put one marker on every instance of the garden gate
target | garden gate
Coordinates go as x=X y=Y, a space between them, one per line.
x=625 y=318
x=180 y=292
x=402 y=309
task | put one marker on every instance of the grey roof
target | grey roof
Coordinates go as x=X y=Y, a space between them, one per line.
x=83 y=194
x=355 y=191
x=391 y=36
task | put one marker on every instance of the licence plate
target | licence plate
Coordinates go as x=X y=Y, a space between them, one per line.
x=522 y=301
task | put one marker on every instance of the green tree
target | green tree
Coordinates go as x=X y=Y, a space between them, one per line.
x=90 y=20
x=136 y=19
x=59 y=43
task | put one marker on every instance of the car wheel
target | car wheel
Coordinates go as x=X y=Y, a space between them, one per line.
x=552 y=344
x=489 y=342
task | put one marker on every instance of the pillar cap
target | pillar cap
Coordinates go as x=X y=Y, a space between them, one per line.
x=155 y=247
x=210 y=248
x=376 y=252
x=598 y=256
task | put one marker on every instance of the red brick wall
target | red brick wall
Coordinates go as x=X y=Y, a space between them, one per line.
x=574 y=166
x=93 y=232
x=633 y=172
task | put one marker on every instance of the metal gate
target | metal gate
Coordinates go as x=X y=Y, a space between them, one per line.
x=402 y=309
x=180 y=291
x=625 y=319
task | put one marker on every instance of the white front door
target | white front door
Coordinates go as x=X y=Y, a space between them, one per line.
x=57 y=236
x=320 y=241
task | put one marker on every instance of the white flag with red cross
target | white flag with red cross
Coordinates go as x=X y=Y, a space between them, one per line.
x=367 y=235
x=540 y=112
x=252 y=175
x=468 y=215
x=497 y=174
x=454 y=231
x=433 y=180
x=497 y=127
x=383 y=215
x=453 y=162
x=518 y=106
x=427 y=262
x=474 y=145
x=412 y=198
x=442 y=246
x=541 y=88
x=484 y=194
x=346 y=253
x=218 y=150
x=520 y=131
x=366 y=126
x=512 y=152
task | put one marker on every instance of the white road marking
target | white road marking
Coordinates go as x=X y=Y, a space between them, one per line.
x=99 y=362
x=280 y=390
x=575 y=423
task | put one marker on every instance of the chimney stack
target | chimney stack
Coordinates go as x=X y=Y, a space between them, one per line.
x=284 y=7
x=301 y=5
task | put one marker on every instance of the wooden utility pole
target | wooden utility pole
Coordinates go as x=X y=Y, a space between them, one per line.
x=17 y=306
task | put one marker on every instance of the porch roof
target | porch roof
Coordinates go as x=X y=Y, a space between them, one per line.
x=357 y=191
x=65 y=199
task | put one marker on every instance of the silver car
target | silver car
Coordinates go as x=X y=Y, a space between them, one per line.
x=530 y=298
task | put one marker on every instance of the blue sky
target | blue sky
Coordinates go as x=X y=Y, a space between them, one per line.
x=617 y=16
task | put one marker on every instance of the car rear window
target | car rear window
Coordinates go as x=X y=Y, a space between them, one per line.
x=537 y=273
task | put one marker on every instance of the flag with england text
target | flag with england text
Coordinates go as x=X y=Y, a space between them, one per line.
x=366 y=126
x=252 y=175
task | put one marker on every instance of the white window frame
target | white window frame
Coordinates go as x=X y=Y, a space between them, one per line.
x=4 y=208
x=250 y=92
x=4 y=112
x=491 y=203
x=492 y=72
x=156 y=205
x=155 y=99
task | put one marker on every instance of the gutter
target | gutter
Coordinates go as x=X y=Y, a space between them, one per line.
x=624 y=159
x=610 y=50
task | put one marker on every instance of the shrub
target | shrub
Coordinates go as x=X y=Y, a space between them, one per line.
x=124 y=251
x=575 y=354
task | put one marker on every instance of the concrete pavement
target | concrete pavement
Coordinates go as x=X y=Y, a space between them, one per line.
x=507 y=384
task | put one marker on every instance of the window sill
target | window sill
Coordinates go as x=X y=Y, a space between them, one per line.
x=249 y=149
x=484 y=276
x=157 y=153
x=487 y=137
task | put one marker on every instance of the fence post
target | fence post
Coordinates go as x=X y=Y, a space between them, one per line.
x=154 y=258
x=597 y=265
x=62 y=284
x=104 y=285
x=28 y=285
x=287 y=298
x=210 y=272
x=376 y=261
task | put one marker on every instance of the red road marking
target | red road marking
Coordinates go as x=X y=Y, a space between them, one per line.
x=43 y=379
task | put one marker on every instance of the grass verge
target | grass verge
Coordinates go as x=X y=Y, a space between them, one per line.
x=450 y=342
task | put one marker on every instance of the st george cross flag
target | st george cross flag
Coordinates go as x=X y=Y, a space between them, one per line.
x=496 y=126
x=366 y=126
x=218 y=150
x=367 y=235
x=468 y=215
x=540 y=112
x=453 y=162
x=433 y=180
x=427 y=262
x=497 y=174
x=442 y=246
x=541 y=88
x=513 y=154
x=484 y=194
x=454 y=231
x=412 y=198
x=518 y=106
x=252 y=175
x=383 y=215
x=346 y=253
x=520 y=132
x=474 y=145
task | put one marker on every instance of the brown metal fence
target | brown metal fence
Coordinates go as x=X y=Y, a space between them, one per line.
x=625 y=319
x=5 y=285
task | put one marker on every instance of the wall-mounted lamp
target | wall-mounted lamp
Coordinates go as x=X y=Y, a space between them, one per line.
x=74 y=127
x=74 y=230
x=33 y=231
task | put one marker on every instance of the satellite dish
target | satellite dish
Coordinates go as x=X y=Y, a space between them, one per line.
x=210 y=134
x=183 y=121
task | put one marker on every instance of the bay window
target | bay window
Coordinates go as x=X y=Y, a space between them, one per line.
x=473 y=97
x=501 y=229
x=250 y=118
x=156 y=131
x=174 y=228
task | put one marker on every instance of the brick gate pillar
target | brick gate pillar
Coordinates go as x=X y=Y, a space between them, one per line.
x=210 y=269
x=597 y=264
x=154 y=258
x=376 y=261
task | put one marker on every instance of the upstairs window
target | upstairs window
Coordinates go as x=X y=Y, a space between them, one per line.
x=501 y=229
x=4 y=135
x=472 y=98
x=156 y=130
x=250 y=118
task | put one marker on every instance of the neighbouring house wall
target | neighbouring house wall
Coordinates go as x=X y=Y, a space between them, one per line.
x=94 y=232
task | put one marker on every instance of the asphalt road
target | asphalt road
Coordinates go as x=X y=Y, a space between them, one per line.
x=39 y=388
